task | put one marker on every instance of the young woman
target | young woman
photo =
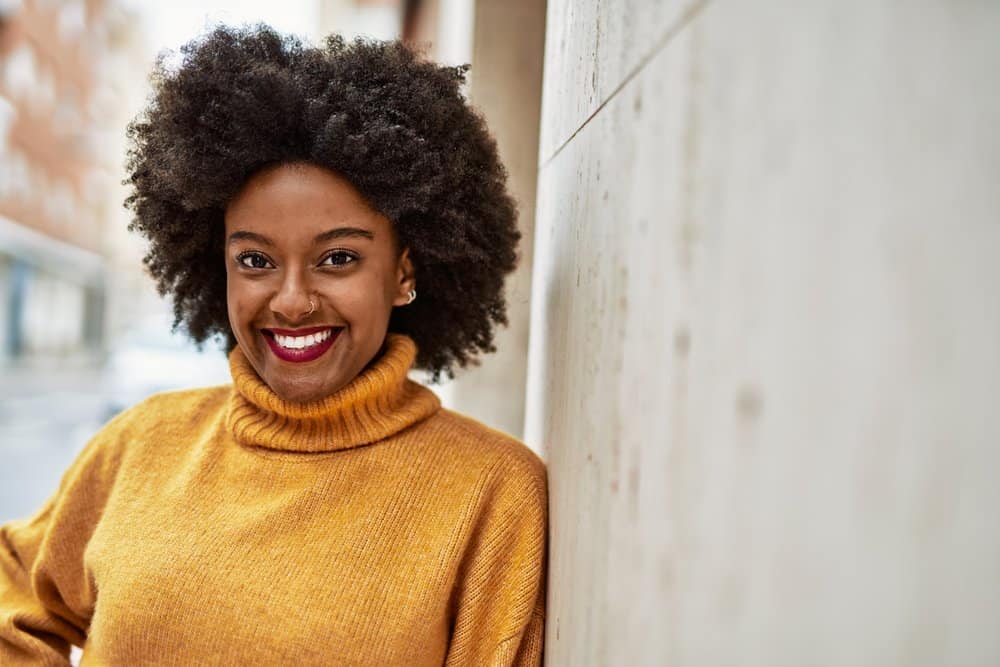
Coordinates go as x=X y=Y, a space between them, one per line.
x=339 y=215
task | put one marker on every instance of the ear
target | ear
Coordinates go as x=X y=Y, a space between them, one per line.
x=405 y=278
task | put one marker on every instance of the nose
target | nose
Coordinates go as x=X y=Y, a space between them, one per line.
x=291 y=301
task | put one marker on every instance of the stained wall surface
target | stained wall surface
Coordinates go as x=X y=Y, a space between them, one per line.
x=764 y=359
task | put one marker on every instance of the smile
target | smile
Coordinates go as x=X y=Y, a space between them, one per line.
x=301 y=346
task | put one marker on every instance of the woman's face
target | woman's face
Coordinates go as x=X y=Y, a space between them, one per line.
x=295 y=232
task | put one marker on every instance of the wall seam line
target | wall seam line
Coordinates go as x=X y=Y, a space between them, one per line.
x=689 y=15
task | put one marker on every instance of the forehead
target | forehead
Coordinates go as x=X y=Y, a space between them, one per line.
x=299 y=200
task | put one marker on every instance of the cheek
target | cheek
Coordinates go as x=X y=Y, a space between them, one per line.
x=362 y=297
x=244 y=302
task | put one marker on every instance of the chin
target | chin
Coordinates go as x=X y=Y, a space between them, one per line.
x=297 y=393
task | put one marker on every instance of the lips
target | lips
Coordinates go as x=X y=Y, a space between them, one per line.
x=304 y=354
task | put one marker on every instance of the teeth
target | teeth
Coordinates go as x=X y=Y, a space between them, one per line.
x=299 y=342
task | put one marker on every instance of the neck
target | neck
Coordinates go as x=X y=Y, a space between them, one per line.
x=375 y=405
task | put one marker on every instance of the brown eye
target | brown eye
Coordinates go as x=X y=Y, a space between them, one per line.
x=339 y=258
x=253 y=260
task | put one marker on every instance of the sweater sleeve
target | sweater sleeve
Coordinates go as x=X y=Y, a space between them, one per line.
x=46 y=596
x=500 y=611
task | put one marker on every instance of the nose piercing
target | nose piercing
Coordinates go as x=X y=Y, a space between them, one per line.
x=311 y=307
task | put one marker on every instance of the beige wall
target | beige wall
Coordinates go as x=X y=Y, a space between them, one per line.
x=764 y=358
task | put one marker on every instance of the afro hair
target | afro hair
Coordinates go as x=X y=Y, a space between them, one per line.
x=395 y=125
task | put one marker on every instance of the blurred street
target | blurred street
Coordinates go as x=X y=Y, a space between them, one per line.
x=48 y=412
x=45 y=419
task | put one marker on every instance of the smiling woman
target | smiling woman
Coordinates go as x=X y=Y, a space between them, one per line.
x=323 y=508
x=313 y=274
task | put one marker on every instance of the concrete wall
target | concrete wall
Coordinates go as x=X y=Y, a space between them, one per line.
x=765 y=347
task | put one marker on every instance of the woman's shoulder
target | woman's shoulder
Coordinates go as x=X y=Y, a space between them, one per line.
x=143 y=428
x=472 y=440
x=164 y=411
x=190 y=402
x=191 y=405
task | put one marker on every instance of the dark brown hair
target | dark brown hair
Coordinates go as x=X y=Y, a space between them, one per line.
x=395 y=125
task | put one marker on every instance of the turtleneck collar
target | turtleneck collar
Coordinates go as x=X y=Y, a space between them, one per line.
x=378 y=403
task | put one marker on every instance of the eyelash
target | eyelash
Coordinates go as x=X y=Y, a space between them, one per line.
x=243 y=255
x=351 y=258
x=251 y=253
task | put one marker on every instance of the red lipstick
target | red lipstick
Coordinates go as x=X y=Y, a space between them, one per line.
x=304 y=354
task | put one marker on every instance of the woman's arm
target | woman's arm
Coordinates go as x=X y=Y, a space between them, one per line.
x=46 y=596
x=32 y=631
x=500 y=617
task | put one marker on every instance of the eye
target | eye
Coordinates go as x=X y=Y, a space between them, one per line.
x=339 y=258
x=256 y=260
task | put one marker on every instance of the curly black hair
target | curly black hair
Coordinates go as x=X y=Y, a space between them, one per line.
x=396 y=125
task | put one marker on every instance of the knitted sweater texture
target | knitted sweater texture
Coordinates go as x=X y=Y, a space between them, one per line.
x=225 y=526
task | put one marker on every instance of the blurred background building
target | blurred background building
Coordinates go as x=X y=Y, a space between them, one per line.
x=63 y=106
x=763 y=362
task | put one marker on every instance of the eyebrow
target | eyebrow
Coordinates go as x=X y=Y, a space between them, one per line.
x=329 y=235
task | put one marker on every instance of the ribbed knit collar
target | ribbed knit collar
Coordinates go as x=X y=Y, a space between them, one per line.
x=378 y=403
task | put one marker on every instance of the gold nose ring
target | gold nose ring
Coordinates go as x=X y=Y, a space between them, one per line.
x=312 y=307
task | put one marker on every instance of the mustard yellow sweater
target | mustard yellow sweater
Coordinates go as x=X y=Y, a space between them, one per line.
x=224 y=526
